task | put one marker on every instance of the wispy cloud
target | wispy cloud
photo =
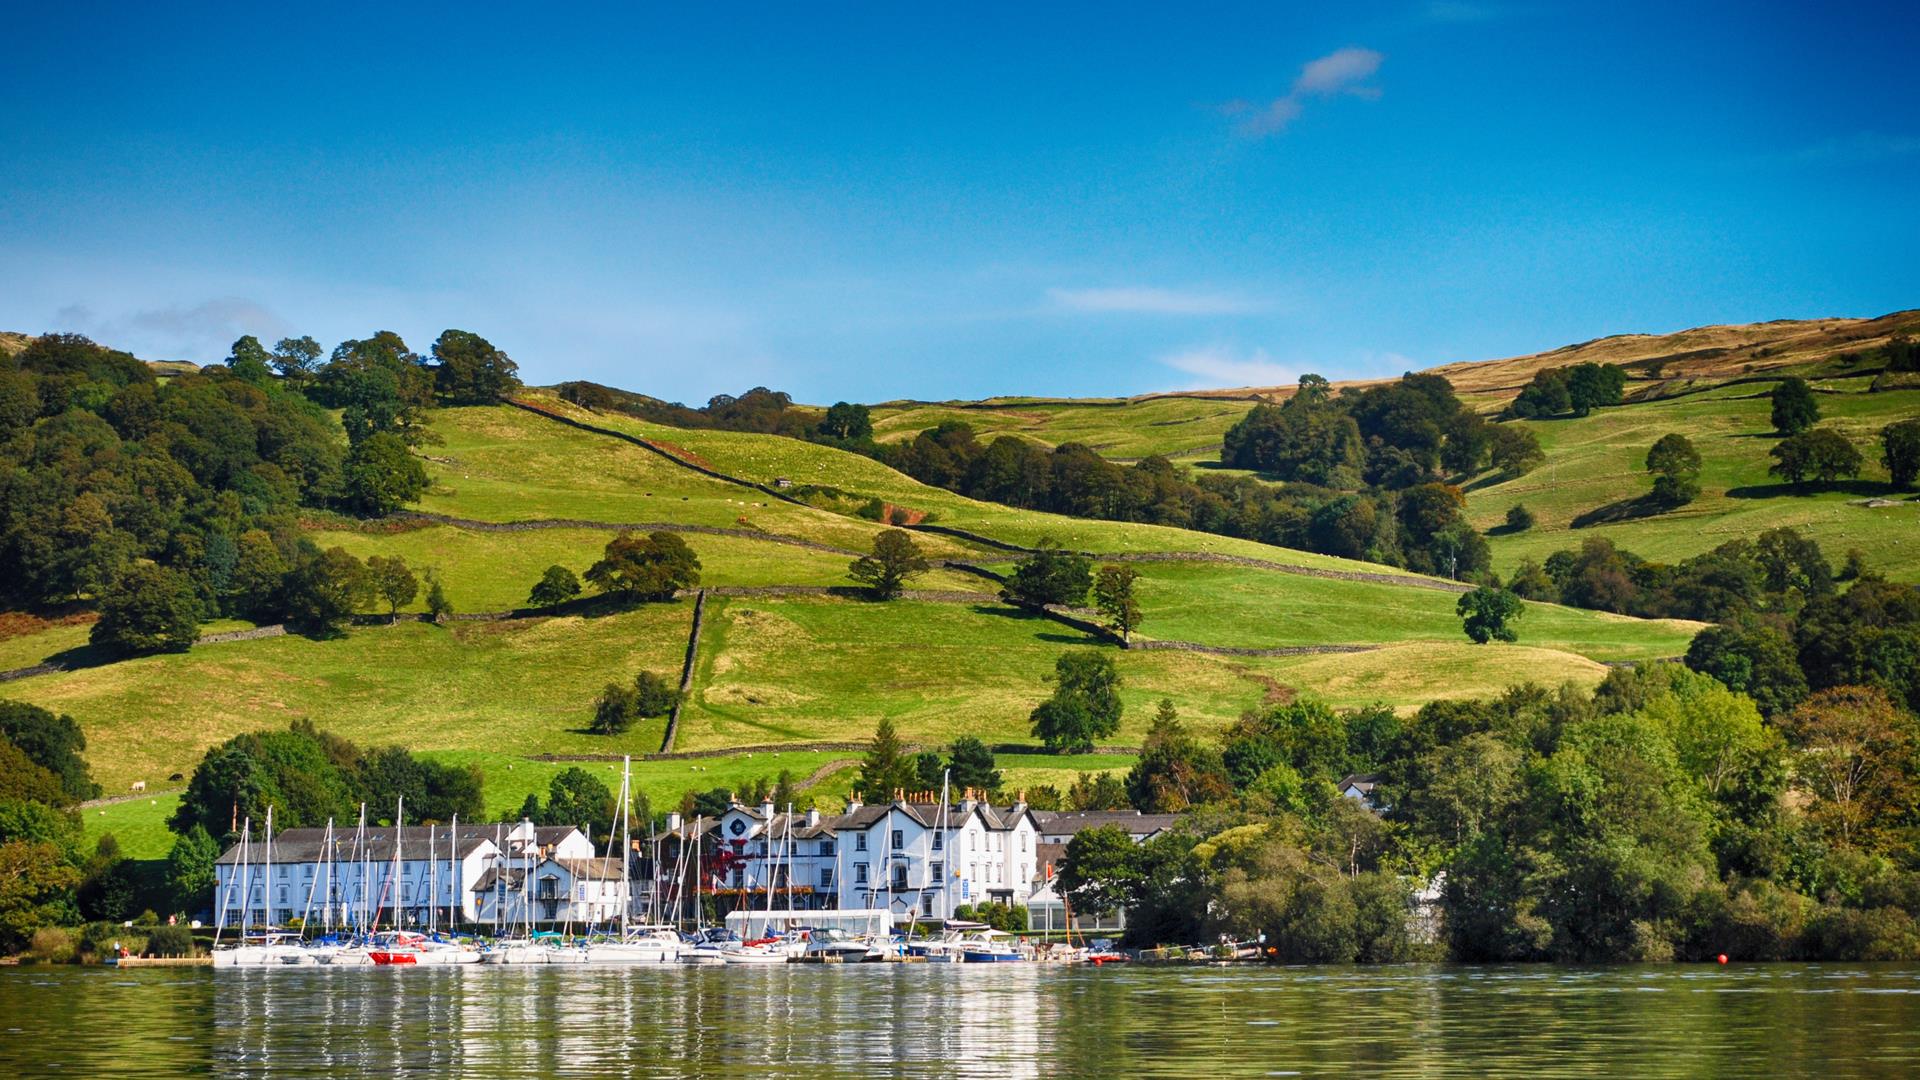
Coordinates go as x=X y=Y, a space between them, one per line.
x=1341 y=72
x=1145 y=300
x=205 y=329
x=1224 y=365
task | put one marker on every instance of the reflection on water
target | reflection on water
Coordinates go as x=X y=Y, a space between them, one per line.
x=961 y=1021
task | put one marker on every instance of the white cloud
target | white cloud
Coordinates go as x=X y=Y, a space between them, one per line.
x=1152 y=301
x=1225 y=366
x=1343 y=71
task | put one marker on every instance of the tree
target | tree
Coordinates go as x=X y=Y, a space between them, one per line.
x=190 y=868
x=1591 y=385
x=971 y=766
x=1857 y=758
x=249 y=360
x=1821 y=454
x=1113 y=596
x=1049 y=575
x=653 y=695
x=470 y=371
x=1794 y=407
x=1175 y=772
x=848 y=423
x=392 y=581
x=1754 y=657
x=381 y=475
x=1486 y=612
x=895 y=559
x=556 y=586
x=1675 y=466
x=148 y=609
x=296 y=359
x=1519 y=518
x=616 y=710
x=53 y=742
x=577 y=797
x=1900 y=451
x=654 y=566
x=438 y=606
x=887 y=767
x=1530 y=582
x=1514 y=450
x=1097 y=791
x=36 y=889
x=1098 y=873
x=324 y=588
x=1085 y=704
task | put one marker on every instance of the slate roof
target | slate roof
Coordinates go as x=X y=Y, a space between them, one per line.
x=1074 y=822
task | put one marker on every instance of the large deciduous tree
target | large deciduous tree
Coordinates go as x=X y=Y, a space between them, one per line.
x=148 y=608
x=1675 y=466
x=1794 y=407
x=382 y=476
x=1085 y=704
x=1050 y=575
x=653 y=566
x=896 y=558
x=1821 y=454
x=1900 y=451
x=1487 y=614
x=1113 y=595
x=469 y=370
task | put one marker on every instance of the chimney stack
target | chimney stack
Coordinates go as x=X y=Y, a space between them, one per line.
x=673 y=821
x=813 y=816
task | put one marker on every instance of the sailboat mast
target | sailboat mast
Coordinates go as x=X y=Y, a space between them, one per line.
x=266 y=880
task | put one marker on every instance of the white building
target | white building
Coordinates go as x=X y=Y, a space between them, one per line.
x=911 y=857
x=443 y=874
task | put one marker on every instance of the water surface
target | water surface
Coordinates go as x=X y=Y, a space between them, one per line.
x=963 y=1021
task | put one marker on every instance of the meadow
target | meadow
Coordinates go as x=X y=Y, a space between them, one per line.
x=1123 y=430
x=1600 y=461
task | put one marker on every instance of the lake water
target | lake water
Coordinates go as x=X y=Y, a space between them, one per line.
x=960 y=1021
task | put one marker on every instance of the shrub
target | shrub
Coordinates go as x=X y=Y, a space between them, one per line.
x=1519 y=518
x=50 y=945
x=170 y=941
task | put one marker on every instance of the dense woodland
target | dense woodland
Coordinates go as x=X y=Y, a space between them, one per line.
x=169 y=502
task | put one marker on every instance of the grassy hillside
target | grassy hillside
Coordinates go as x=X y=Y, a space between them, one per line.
x=774 y=671
x=1599 y=462
x=1171 y=426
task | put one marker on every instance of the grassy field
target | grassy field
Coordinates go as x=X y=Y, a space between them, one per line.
x=764 y=458
x=1231 y=605
x=1600 y=461
x=521 y=687
x=1173 y=427
x=492 y=571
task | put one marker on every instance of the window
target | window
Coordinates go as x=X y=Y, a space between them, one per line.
x=406 y=894
x=738 y=877
x=309 y=872
x=899 y=878
x=283 y=894
x=860 y=873
x=939 y=841
x=896 y=842
x=283 y=869
x=826 y=847
x=939 y=872
x=1024 y=840
x=926 y=906
x=859 y=841
x=826 y=877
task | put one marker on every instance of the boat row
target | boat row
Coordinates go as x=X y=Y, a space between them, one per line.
x=959 y=942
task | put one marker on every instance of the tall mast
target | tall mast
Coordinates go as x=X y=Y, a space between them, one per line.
x=266 y=879
x=453 y=872
x=626 y=832
x=433 y=879
x=946 y=853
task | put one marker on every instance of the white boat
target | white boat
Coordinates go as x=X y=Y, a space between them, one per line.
x=642 y=945
x=772 y=951
x=834 y=943
x=708 y=947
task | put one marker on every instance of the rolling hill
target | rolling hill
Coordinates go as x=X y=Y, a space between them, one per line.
x=793 y=668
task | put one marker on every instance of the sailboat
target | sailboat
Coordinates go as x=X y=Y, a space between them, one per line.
x=647 y=944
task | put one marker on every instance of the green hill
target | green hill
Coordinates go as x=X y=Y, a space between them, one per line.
x=798 y=666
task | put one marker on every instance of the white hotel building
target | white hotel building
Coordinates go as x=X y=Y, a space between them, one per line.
x=914 y=858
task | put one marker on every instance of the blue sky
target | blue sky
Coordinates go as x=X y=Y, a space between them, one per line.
x=877 y=201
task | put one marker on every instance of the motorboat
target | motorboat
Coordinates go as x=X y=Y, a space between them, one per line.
x=270 y=948
x=642 y=945
x=832 y=943
x=988 y=947
x=708 y=946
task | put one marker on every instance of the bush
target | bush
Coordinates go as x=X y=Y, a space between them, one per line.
x=50 y=945
x=170 y=941
x=1519 y=518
